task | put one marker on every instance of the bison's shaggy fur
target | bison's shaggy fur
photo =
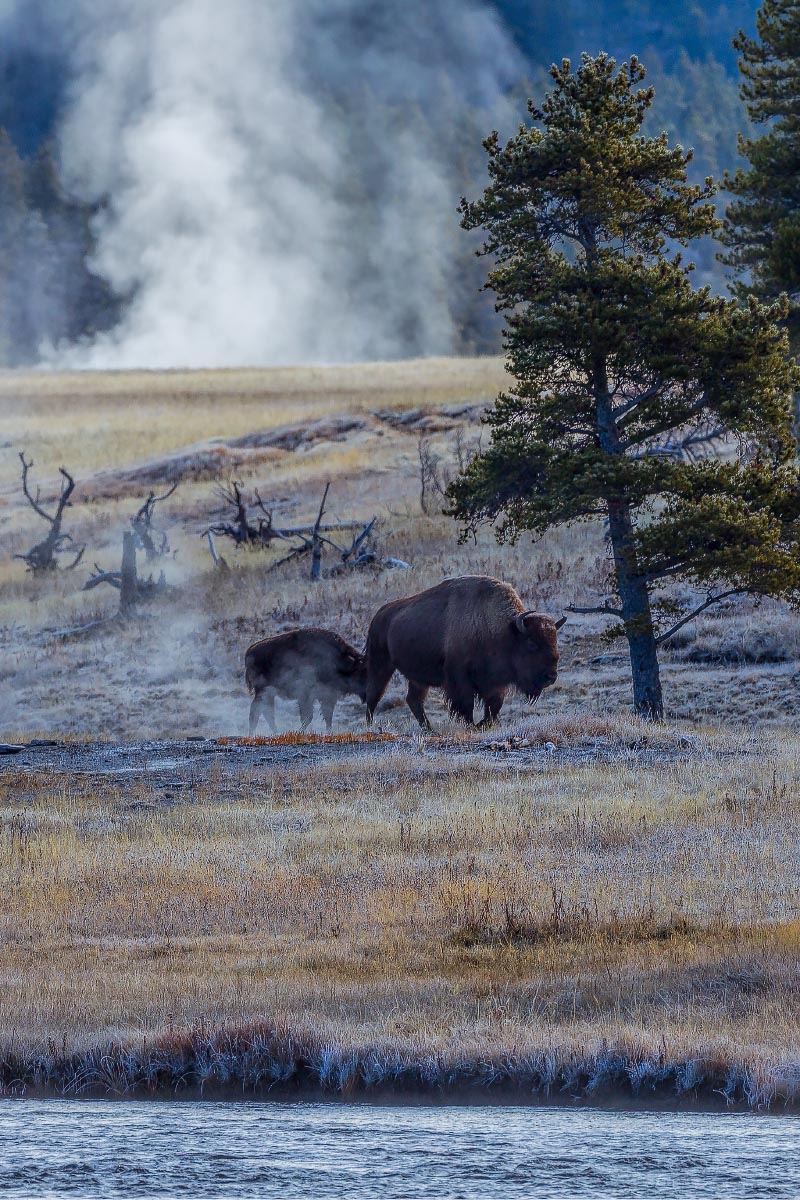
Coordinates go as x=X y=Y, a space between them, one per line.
x=304 y=665
x=470 y=636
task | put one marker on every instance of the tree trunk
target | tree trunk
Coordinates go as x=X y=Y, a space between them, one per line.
x=631 y=587
x=316 y=558
x=128 y=581
x=636 y=615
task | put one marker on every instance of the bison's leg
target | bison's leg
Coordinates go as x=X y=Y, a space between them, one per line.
x=380 y=673
x=415 y=699
x=263 y=704
x=306 y=711
x=491 y=707
x=327 y=704
x=460 y=695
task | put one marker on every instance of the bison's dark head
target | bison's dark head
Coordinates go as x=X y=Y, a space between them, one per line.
x=535 y=652
x=354 y=668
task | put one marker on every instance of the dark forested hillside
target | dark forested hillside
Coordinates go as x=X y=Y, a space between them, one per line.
x=656 y=30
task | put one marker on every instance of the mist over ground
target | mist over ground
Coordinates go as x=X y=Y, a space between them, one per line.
x=266 y=183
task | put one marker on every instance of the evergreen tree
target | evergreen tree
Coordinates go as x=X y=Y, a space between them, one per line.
x=762 y=227
x=626 y=376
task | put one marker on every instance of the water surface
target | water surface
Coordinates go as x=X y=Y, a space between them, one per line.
x=118 y=1149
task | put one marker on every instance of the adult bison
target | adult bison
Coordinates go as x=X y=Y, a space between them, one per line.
x=304 y=665
x=470 y=636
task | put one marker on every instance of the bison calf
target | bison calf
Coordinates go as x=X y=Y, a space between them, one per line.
x=304 y=665
x=470 y=636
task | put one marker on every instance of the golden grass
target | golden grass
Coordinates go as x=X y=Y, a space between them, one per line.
x=92 y=420
x=431 y=905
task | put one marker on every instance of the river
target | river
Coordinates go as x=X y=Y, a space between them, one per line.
x=109 y=1149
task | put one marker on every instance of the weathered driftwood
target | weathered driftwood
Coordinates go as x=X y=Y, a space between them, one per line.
x=44 y=555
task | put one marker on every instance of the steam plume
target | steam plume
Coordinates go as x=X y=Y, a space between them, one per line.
x=281 y=176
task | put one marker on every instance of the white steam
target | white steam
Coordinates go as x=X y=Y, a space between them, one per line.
x=280 y=176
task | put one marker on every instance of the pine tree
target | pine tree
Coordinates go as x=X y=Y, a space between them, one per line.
x=627 y=377
x=762 y=226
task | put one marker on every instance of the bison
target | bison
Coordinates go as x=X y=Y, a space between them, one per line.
x=304 y=665
x=470 y=636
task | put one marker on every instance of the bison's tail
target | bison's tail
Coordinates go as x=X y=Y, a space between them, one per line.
x=251 y=674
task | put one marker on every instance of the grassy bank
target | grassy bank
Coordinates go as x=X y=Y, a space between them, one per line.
x=414 y=919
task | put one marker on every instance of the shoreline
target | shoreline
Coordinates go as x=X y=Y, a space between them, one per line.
x=263 y=1064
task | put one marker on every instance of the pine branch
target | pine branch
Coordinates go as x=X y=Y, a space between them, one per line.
x=668 y=424
x=649 y=394
x=707 y=603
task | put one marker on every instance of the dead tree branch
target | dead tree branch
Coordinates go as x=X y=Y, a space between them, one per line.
x=435 y=474
x=44 y=555
x=607 y=610
x=316 y=540
x=126 y=580
x=355 y=552
x=142 y=524
x=240 y=527
x=707 y=603
x=298 y=539
x=697 y=442
x=603 y=609
x=217 y=559
x=428 y=467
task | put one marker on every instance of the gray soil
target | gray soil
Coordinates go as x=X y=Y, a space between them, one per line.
x=174 y=765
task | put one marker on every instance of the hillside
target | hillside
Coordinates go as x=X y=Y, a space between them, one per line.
x=176 y=667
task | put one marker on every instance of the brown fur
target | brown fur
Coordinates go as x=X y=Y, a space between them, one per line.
x=304 y=665
x=462 y=636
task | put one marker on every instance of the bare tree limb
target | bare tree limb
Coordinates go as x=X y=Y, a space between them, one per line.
x=44 y=555
x=34 y=503
x=114 y=578
x=142 y=524
x=359 y=541
x=650 y=435
x=707 y=603
x=126 y=580
x=316 y=542
x=605 y=609
x=76 y=630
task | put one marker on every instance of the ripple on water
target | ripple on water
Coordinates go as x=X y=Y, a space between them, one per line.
x=210 y=1151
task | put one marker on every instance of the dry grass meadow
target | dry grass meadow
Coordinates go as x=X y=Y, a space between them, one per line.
x=576 y=905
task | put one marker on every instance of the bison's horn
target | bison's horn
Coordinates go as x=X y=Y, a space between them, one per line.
x=519 y=621
x=561 y=621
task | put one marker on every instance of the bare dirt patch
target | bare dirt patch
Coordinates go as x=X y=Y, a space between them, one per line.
x=193 y=762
